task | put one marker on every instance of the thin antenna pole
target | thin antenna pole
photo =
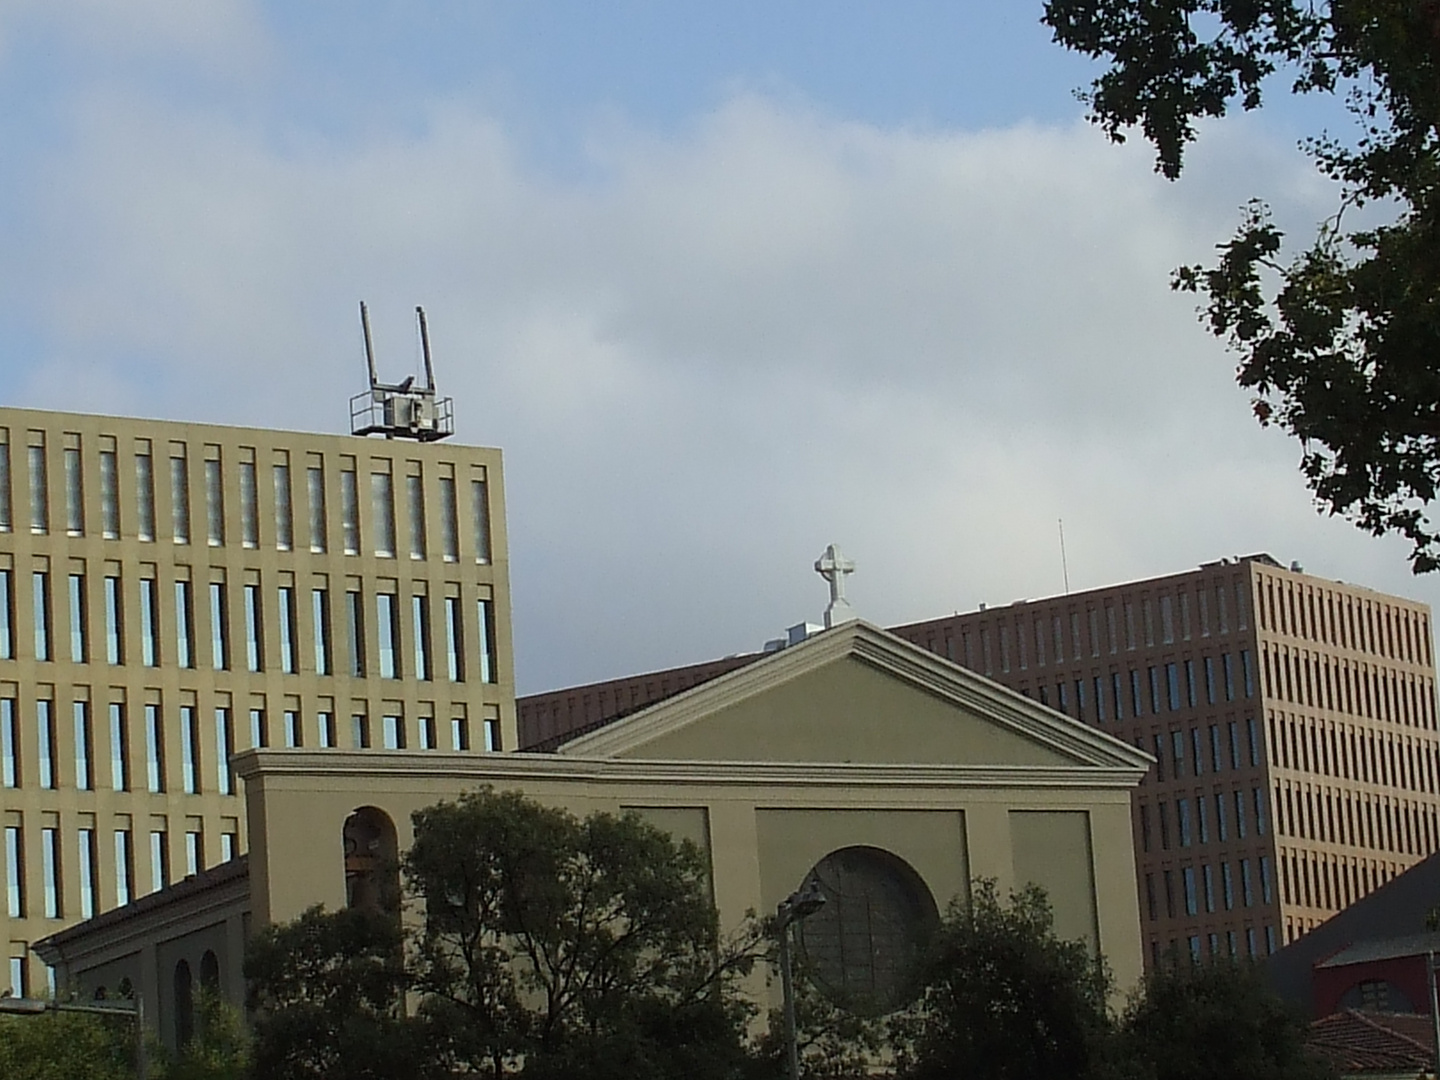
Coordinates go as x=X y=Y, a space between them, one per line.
x=1064 y=566
x=369 y=345
x=425 y=347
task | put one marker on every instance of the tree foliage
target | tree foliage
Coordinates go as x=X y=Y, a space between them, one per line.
x=67 y=1046
x=327 y=990
x=580 y=947
x=1339 y=342
x=1005 y=998
x=1195 y=1023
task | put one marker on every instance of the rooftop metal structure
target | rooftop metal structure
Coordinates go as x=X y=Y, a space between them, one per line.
x=401 y=410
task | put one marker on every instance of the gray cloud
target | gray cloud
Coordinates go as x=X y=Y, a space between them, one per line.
x=711 y=356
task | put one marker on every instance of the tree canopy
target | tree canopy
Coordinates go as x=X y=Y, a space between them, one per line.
x=1338 y=342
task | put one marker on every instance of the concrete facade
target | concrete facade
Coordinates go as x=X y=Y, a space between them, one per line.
x=175 y=592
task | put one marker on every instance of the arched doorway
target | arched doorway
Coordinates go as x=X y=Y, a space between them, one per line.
x=372 y=862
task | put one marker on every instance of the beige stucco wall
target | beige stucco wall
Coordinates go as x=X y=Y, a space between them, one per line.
x=766 y=827
x=846 y=710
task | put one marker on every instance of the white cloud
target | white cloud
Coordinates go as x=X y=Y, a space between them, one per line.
x=731 y=348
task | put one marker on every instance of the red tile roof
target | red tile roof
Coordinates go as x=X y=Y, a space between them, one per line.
x=1357 y=1041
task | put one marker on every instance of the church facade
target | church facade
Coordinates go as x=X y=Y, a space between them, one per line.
x=893 y=776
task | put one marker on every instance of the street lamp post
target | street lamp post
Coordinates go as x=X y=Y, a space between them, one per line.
x=22 y=1006
x=800 y=904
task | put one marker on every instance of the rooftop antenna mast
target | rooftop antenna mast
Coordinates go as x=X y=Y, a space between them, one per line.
x=401 y=410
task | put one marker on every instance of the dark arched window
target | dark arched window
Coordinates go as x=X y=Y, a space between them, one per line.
x=863 y=947
x=372 y=862
x=210 y=971
x=184 y=1004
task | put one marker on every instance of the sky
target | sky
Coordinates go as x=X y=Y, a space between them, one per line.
x=726 y=282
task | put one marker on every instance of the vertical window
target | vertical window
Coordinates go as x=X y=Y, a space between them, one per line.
x=114 y=622
x=159 y=860
x=1249 y=674
x=415 y=500
x=1254 y=741
x=14 y=872
x=325 y=721
x=259 y=729
x=194 y=852
x=124 y=866
x=224 y=748
x=360 y=731
x=154 y=749
x=9 y=744
x=119 y=749
x=79 y=653
x=85 y=866
x=288 y=643
x=214 y=503
x=45 y=741
x=149 y=622
x=109 y=495
x=190 y=765
x=1197 y=760
x=420 y=629
x=284 y=512
x=144 y=497
x=40 y=591
x=1217 y=761
x=180 y=498
x=253 y=624
x=6 y=520
x=1190 y=693
x=1154 y=673
x=1221 y=832
x=1192 y=906
x=1234 y=745
x=1267 y=894
x=74 y=493
x=219 y=637
x=229 y=846
x=320 y=616
x=1135 y=701
x=249 y=506
x=459 y=733
x=1209 y=879
x=50 y=871
x=449 y=528
x=1202 y=818
x=489 y=668
x=1258 y=794
x=387 y=627
x=1247 y=889
x=350 y=511
x=184 y=626
x=315 y=488
x=1209 y=678
x=480 y=500
x=39 y=491
x=1172 y=683
x=1239 y=815
x=294 y=736
x=1182 y=821
x=355 y=625
x=454 y=640
x=392 y=732
x=1227 y=886
x=382 y=508
x=7 y=616
x=427 y=733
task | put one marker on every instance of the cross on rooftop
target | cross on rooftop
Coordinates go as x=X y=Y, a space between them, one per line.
x=833 y=567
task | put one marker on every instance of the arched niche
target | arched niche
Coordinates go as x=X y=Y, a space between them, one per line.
x=210 y=971
x=864 y=946
x=184 y=1004
x=372 y=862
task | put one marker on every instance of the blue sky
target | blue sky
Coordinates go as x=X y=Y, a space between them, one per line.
x=726 y=282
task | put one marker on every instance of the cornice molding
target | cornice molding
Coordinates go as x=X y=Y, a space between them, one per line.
x=262 y=765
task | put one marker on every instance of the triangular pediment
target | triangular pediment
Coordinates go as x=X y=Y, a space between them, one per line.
x=856 y=694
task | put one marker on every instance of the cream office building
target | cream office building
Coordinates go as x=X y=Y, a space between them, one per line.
x=174 y=593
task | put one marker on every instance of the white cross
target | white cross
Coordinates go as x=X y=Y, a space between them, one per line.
x=833 y=566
